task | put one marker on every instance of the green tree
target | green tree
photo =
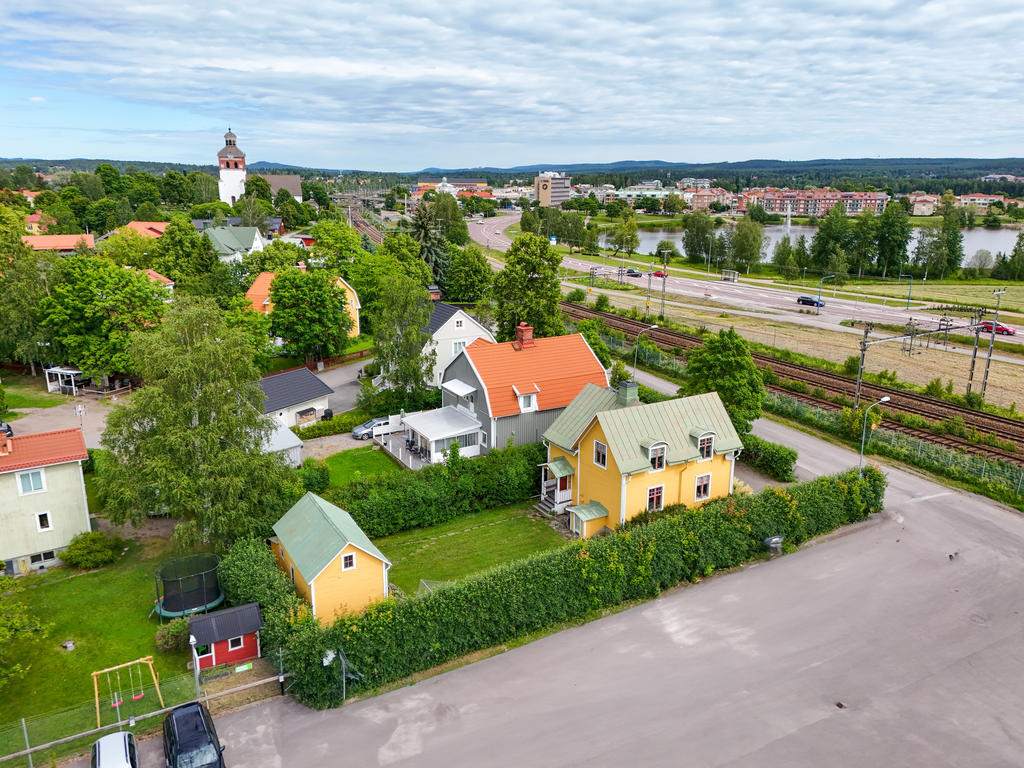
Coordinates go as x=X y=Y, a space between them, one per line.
x=893 y=235
x=448 y=216
x=401 y=246
x=930 y=249
x=468 y=276
x=697 y=237
x=309 y=314
x=204 y=187
x=427 y=232
x=673 y=203
x=277 y=256
x=113 y=184
x=401 y=337
x=188 y=258
x=337 y=245
x=863 y=237
x=952 y=234
x=190 y=443
x=129 y=248
x=529 y=222
x=176 y=189
x=625 y=237
x=93 y=308
x=748 y=243
x=253 y=211
x=257 y=186
x=833 y=235
x=255 y=326
x=147 y=212
x=527 y=289
x=665 y=251
x=724 y=365
x=591 y=331
x=19 y=624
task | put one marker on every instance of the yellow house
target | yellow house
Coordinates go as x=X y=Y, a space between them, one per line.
x=332 y=563
x=611 y=457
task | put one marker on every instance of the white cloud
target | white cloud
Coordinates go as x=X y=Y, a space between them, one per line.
x=399 y=85
x=36 y=98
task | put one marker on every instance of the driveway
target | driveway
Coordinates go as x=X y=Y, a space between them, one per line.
x=343 y=380
x=63 y=416
x=894 y=642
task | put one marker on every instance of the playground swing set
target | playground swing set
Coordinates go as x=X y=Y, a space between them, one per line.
x=114 y=689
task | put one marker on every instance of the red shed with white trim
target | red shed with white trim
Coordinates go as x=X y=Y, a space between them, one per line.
x=231 y=636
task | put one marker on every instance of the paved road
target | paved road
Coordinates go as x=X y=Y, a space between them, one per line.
x=923 y=652
x=491 y=232
x=63 y=416
x=344 y=383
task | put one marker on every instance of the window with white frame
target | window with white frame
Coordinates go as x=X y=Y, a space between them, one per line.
x=348 y=562
x=657 y=457
x=43 y=522
x=600 y=454
x=43 y=557
x=31 y=482
x=706 y=447
x=527 y=403
x=235 y=643
x=458 y=346
x=703 y=488
x=458 y=324
x=656 y=498
x=575 y=524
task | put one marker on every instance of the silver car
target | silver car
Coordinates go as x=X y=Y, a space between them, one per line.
x=365 y=430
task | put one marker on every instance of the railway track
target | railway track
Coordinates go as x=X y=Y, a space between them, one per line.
x=929 y=408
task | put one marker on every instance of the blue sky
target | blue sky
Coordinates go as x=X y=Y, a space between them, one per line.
x=453 y=83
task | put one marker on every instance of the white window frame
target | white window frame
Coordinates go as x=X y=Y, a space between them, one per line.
x=49 y=522
x=662 y=496
x=664 y=457
x=458 y=346
x=241 y=643
x=697 y=484
x=528 y=402
x=346 y=556
x=596 y=462
x=711 y=453
x=577 y=525
x=42 y=481
x=458 y=323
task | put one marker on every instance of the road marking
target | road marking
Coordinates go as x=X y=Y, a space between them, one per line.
x=929 y=498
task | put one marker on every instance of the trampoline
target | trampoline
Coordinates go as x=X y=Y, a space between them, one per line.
x=187 y=585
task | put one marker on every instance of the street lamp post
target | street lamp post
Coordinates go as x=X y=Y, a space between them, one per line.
x=636 y=346
x=195 y=663
x=910 y=289
x=826 y=277
x=863 y=434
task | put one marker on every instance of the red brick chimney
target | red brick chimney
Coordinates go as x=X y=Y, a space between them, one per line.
x=6 y=445
x=524 y=336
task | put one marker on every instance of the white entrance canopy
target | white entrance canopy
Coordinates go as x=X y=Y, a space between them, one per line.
x=441 y=423
x=64 y=380
x=458 y=387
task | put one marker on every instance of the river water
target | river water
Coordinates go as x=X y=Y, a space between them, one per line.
x=993 y=240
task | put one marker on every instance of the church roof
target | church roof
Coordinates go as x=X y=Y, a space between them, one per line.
x=230 y=150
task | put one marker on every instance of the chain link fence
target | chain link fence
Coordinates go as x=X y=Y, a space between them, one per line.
x=999 y=475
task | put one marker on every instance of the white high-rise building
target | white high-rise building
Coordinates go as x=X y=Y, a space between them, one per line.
x=232 y=170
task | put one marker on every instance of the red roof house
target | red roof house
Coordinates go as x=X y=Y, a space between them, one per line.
x=230 y=636
x=60 y=243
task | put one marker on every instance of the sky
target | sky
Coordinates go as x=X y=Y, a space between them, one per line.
x=401 y=86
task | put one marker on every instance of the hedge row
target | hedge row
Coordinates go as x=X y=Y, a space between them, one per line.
x=395 y=639
x=386 y=504
x=772 y=459
x=342 y=422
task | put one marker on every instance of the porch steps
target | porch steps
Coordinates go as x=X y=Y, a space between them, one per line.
x=545 y=506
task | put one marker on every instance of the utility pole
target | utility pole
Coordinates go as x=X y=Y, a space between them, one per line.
x=974 y=357
x=992 y=339
x=650 y=274
x=863 y=354
x=663 y=280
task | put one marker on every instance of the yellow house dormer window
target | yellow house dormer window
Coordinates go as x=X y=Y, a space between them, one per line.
x=657 y=456
x=706 y=447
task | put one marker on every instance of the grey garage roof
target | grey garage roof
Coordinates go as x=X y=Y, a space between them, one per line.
x=283 y=390
x=222 y=625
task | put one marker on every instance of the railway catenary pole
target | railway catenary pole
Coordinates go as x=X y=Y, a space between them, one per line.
x=991 y=340
x=974 y=359
x=860 y=371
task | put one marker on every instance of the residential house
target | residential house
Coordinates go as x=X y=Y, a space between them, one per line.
x=979 y=200
x=611 y=457
x=332 y=563
x=285 y=442
x=232 y=243
x=259 y=297
x=229 y=636
x=152 y=229
x=164 y=282
x=62 y=244
x=37 y=223
x=451 y=331
x=273 y=224
x=922 y=204
x=294 y=397
x=495 y=394
x=42 y=497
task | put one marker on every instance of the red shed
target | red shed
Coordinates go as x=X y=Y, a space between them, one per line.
x=231 y=636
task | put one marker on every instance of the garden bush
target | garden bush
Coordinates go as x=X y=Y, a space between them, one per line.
x=342 y=422
x=173 y=636
x=577 y=296
x=772 y=459
x=395 y=639
x=386 y=504
x=92 y=550
x=314 y=475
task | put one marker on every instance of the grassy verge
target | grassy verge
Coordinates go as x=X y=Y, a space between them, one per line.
x=27 y=392
x=345 y=464
x=453 y=550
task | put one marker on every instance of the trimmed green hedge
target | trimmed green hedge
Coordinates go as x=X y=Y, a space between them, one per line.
x=772 y=459
x=386 y=504
x=394 y=639
x=342 y=422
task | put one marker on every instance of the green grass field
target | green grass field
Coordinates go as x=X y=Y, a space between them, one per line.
x=27 y=392
x=951 y=292
x=345 y=464
x=453 y=550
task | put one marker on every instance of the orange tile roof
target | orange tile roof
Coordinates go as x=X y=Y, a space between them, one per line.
x=147 y=228
x=156 y=277
x=556 y=367
x=42 y=449
x=57 y=242
x=259 y=292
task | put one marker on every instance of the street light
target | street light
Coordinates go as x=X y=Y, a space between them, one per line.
x=826 y=277
x=911 y=288
x=863 y=433
x=195 y=663
x=636 y=346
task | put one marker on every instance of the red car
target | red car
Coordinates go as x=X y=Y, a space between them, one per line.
x=1006 y=330
x=658 y=274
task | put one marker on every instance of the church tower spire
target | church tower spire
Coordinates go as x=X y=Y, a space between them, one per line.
x=231 y=161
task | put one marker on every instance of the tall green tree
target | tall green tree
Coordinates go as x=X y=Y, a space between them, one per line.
x=309 y=314
x=527 y=289
x=426 y=231
x=257 y=186
x=665 y=251
x=862 y=242
x=724 y=365
x=337 y=245
x=697 y=237
x=189 y=259
x=277 y=256
x=448 y=216
x=93 y=308
x=893 y=236
x=952 y=234
x=190 y=443
x=468 y=276
x=625 y=237
x=401 y=337
x=748 y=243
x=129 y=248
x=833 y=236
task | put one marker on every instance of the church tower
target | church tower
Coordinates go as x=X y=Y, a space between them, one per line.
x=232 y=170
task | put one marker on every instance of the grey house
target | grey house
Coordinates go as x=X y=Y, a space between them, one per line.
x=294 y=397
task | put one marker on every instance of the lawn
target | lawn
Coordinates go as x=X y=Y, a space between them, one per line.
x=953 y=292
x=470 y=544
x=27 y=392
x=345 y=464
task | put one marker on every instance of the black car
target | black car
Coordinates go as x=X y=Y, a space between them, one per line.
x=634 y=273
x=190 y=740
x=810 y=301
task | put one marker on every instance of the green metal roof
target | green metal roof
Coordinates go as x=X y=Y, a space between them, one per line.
x=229 y=240
x=570 y=424
x=559 y=467
x=314 y=531
x=592 y=510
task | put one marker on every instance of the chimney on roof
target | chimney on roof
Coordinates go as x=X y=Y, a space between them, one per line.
x=434 y=291
x=627 y=394
x=524 y=336
x=302 y=266
x=6 y=443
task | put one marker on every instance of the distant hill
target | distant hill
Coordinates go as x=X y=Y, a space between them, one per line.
x=265 y=165
x=82 y=164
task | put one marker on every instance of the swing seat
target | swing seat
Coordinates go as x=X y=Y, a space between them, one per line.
x=115 y=704
x=137 y=696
